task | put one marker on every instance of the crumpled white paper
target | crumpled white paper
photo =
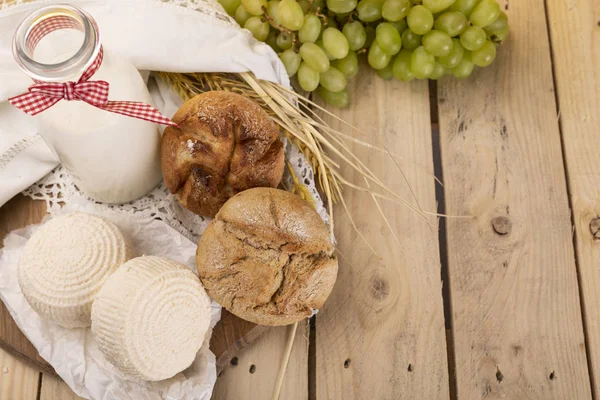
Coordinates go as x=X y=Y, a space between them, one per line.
x=74 y=353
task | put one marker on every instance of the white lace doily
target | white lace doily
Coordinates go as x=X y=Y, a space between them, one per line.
x=57 y=188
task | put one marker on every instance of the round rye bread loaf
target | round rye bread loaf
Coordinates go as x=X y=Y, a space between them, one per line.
x=267 y=257
x=225 y=143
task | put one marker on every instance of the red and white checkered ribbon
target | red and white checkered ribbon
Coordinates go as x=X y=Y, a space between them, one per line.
x=43 y=95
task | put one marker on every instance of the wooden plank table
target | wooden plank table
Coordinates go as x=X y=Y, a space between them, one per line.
x=502 y=305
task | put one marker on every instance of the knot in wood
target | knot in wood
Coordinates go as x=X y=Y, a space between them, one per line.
x=502 y=225
x=595 y=228
x=380 y=288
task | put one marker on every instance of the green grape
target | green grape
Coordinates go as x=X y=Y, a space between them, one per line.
x=422 y=63
x=370 y=31
x=437 y=43
x=420 y=20
x=290 y=14
x=317 y=4
x=395 y=10
x=341 y=6
x=497 y=38
x=386 y=73
x=465 y=68
x=436 y=6
x=241 y=15
x=271 y=40
x=452 y=22
x=335 y=43
x=285 y=41
x=308 y=78
x=485 y=13
x=348 y=65
x=259 y=29
x=464 y=6
x=304 y=5
x=291 y=61
x=254 y=7
x=400 y=25
x=355 y=34
x=339 y=99
x=500 y=24
x=498 y=30
x=322 y=46
x=273 y=10
x=485 y=55
x=331 y=22
x=410 y=40
x=230 y=6
x=438 y=71
x=388 y=39
x=401 y=66
x=333 y=80
x=342 y=18
x=315 y=57
x=454 y=57
x=472 y=38
x=377 y=58
x=368 y=10
x=310 y=29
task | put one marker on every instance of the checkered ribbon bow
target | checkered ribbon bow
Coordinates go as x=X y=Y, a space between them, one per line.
x=43 y=95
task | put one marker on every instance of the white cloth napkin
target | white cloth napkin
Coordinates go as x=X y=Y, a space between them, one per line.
x=74 y=353
x=154 y=35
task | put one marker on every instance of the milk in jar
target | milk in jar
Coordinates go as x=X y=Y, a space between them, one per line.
x=113 y=158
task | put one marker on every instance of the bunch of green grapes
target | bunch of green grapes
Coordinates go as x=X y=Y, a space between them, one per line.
x=320 y=41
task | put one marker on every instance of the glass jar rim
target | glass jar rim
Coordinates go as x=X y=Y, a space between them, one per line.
x=74 y=65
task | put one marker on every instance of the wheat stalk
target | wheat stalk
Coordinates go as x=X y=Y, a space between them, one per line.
x=189 y=85
x=296 y=116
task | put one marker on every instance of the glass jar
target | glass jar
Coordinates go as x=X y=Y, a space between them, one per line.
x=113 y=158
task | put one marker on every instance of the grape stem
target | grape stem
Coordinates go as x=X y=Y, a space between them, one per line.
x=322 y=16
x=295 y=43
x=268 y=18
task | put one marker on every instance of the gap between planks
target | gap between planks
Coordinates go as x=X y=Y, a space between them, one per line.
x=570 y=200
x=515 y=298
x=577 y=107
x=381 y=334
x=443 y=245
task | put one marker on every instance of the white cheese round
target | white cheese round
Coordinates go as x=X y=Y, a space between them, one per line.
x=151 y=317
x=65 y=263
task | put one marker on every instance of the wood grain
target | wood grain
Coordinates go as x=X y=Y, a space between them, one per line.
x=18 y=381
x=230 y=334
x=517 y=323
x=53 y=388
x=381 y=333
x=253 y=372
x=575 y=35
x=18 y=213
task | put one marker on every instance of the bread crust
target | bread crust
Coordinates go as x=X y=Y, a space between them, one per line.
x=267 y=257
x=225 y=143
